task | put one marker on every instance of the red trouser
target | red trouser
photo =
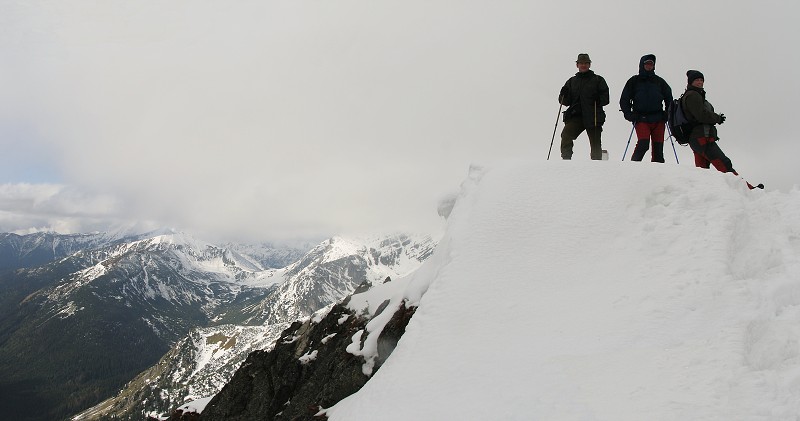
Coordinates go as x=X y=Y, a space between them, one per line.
x=707 y=153
x=644 y=133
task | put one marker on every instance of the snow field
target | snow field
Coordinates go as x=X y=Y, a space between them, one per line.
x=600 y=291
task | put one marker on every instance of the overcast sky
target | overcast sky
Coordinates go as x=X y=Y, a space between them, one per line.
x=275 y=119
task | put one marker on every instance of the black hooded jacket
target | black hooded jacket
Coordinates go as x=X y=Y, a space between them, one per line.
x=645 y=96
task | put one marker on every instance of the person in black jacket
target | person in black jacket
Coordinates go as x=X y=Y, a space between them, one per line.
x=585 y=93
x=641 y=103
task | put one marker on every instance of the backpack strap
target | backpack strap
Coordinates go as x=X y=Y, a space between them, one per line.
x=686 y=112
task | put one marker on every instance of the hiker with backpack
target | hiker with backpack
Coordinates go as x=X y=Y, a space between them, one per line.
x=585 y=94
x=641 y=104
x=703 y=120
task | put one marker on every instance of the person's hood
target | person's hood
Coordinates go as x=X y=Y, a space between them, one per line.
x=644 y=58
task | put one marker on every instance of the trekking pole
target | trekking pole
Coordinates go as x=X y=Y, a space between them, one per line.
x=633 y=126
x=554 y=129
x=672 y=141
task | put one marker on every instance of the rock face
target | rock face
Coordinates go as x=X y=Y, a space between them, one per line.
x=309 y=369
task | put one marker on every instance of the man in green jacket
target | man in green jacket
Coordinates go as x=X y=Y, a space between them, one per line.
x=585 y=94
x=703 y=138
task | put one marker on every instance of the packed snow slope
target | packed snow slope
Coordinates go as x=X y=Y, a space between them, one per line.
x=599 y=291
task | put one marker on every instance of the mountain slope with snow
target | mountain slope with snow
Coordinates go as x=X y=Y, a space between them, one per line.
x=597 y=290
x=104 y=308
x=334 y=268
x=200 y=364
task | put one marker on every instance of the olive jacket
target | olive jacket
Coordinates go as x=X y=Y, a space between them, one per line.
x=700 y=112
x=585 y=94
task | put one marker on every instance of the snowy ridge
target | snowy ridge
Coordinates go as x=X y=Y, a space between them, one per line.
x=669 y=293
x=194 y=254
x=333 y=269
x=173 y=267
x=385 y=256
x=20 y=251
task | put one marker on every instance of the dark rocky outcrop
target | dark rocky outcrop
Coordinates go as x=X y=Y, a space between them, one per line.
x=307 y=370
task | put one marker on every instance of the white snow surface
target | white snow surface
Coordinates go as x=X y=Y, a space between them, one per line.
x=598 y=291
x=195 y=406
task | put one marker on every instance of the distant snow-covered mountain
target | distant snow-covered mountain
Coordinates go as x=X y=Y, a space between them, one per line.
x=174 y=282
x=104 y=307
x=334 y=268
x=200 y=364
x=25 y=251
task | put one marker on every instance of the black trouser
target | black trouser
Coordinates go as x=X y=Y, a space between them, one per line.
x=572 y=129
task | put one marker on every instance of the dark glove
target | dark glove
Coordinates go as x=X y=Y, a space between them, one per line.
x=666 y=116
x=629 y=116
x=721 y=118
x=563 y=95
